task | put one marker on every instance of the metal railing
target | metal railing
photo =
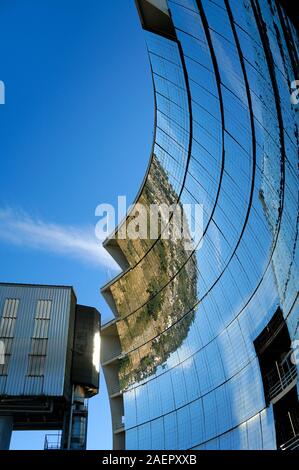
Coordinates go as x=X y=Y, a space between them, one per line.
x=287 y=429
x=52 y=441
x=114 y=388
x=291 y=444
x=118 y=424
x=281 y=376
x=111 y=355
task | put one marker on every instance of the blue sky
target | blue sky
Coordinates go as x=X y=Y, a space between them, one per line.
x=75 y=131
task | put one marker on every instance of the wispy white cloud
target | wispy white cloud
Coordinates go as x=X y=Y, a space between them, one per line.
x=19 y=228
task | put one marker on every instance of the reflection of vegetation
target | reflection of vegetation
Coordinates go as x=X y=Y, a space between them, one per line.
x=148 y=332
x=136 y=368
x=151 y=194
x=154 y=304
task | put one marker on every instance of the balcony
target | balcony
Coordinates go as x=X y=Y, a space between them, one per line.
x=288 y=430
x=111 y=357
x=281 y=378
x=110 y=344
x=291 y=444
x=118 y=425
x=114 y=389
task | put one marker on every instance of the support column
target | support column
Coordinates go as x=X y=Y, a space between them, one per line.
x=6 y=427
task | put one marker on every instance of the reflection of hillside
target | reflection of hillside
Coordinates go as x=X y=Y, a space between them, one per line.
x=138 y=286
x=151 y=194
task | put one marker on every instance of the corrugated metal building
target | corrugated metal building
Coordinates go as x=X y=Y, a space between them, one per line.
x=37 y=328
x=49 y=360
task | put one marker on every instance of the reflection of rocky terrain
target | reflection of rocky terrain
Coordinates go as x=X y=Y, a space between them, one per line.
x=139 y=286
x=151 y=194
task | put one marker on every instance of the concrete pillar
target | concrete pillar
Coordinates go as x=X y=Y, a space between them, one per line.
x=6 y=427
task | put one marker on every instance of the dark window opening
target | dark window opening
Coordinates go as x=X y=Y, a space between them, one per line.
x=279 y=374
x=286 y=415
x=273 y=348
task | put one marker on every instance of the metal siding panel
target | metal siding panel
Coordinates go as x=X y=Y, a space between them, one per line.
x=49 y=307
x=2 y=327
x=16 y=306
x=8 y=308
x=23 y=333
x=57 y=344
x=43 y=309
x=53 y=383
x=33 y=386
x=41 y=328
x=36 y=329
x=39 y=347
x=7 y=345
x=54 y=367
x=2 y=384
x=5 y=307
